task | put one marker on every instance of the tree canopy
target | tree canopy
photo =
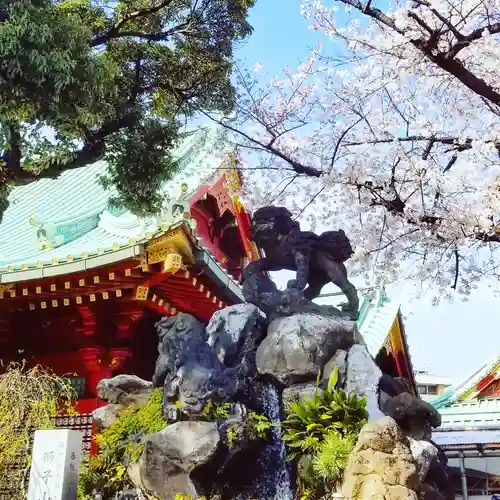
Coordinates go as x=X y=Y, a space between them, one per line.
x=84 y=80
x=391 y=130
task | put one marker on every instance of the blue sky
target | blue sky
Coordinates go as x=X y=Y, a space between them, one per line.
x=281 y=36
x=449 y=340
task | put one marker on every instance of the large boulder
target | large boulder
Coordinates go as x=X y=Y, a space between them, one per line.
x=415 y=416
x=363 y=377
x=234 y=333
x=124 y=389
x=298 y=347
x=171 y=457
x=105 y=416
x=424 y=454
x=381 y=464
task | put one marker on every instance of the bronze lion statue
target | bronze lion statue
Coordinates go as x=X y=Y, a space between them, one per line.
x=317 y=259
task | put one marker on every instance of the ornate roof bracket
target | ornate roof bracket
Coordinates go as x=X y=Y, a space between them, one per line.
x=174 y=249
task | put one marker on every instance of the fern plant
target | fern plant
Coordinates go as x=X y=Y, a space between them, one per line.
x=260 y=425
x=309 y=420
x=320 y=433
x=331 y=459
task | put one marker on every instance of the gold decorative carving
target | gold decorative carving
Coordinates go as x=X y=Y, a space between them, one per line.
x=254 y=251
x=141 y=292
x=231 y=174
x=11 y=287
x=174 y=242
x=172 y=263
x=233 y=180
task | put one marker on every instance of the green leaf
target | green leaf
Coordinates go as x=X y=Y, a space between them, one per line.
x=333 y=380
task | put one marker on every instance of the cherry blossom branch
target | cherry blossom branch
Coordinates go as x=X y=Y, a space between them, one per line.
x=269 y=147
x=457 y=269
x=445 y=61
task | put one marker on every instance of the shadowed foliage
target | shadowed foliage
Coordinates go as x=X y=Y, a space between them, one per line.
x=84 y=80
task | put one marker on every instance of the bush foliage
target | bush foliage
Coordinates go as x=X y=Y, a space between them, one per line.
x=119 y=444
x=30 y=398
x=320 y=433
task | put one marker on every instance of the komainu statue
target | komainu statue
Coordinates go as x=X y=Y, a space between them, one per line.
x=189 y=371
x=318 y=260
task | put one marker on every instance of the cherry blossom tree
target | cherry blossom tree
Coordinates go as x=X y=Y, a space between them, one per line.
x=391 y=130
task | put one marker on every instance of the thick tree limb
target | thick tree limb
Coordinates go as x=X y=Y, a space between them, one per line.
x=114 y=32
x=466 y=40
x=93 y=150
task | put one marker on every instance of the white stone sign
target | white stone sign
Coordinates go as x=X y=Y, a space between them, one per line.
x=55 y=465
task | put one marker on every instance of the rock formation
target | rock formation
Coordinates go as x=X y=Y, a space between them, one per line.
x=381 y=465
x=251 y=366
x=298 y=347
x=224 y=386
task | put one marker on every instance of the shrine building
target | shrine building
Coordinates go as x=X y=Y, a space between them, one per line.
x=470 y=431
x=82 y=284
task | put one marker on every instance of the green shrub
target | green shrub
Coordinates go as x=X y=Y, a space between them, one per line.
x=259 y=424
x=320 y=433
x=212 y=411
x=309 y=420
x=119 y=444
x=30 y=398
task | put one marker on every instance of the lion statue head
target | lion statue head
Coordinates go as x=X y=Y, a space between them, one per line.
x=269 y=222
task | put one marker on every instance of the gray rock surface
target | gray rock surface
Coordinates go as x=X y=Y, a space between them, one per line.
x=170 y=456
x=298 y=347
x=338 y=360
x=424 y=454
x=362 y=377
x=234 y=333
x=298 y=391
x=124 y=389
x=106 y=416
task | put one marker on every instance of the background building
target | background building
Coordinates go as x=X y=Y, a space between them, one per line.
x=470 y=431
x=431 y=386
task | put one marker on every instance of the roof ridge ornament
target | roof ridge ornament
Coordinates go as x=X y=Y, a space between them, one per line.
x=55 y=234
x=177 y=209
x=41 y=232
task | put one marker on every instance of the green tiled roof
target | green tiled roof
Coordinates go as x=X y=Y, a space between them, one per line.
x=376 y=317
x=465 y=391
x=75 y=207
